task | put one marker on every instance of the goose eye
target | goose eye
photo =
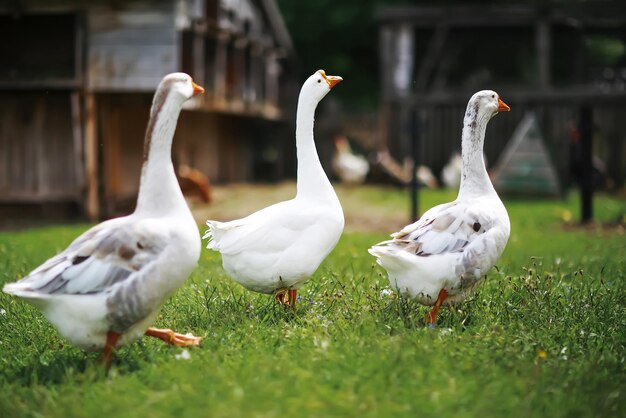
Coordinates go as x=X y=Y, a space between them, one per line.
x=493 y=96
x=319 y=81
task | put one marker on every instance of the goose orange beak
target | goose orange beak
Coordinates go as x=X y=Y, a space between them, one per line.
x=503 y=107
x=332 y=80
x=197 y=89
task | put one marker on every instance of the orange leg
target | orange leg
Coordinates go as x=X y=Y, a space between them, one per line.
x=280 y=297
x=293 y=294
x=287 y=297
x=431 y=317
x=173 y=338
x=107 y=353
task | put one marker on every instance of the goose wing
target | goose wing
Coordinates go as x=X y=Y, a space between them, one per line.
x=97 y=260
x=447 y=228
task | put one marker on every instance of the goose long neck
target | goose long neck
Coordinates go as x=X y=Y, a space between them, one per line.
x=312 y=179
x=159 y=191
x=474 y=177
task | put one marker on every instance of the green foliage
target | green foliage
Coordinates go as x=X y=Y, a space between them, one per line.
x=544 y=336
x=604 y=50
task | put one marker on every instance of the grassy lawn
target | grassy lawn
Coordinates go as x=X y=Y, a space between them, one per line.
x=544 y=336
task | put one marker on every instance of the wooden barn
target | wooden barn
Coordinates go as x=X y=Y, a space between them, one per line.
x=551 y=59
x=76 y=84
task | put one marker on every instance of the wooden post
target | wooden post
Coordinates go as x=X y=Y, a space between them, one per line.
x=414 y=137
x=221 y=56
x=272 y=74
x=91 y=158
x=586 y=168
x=77 y=138
x=543 y=45
x=199 y=72
x=254 y=94
x=385 y=46
x=432 y=56
x=111 y=152
x=239 y=89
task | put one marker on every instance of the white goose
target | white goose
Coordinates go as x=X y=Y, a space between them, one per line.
x=278 y=248
x=450 y=249
x=107 y=287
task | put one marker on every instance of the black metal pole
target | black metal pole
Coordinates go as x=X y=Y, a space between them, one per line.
x=586 y=168
x=414 y=135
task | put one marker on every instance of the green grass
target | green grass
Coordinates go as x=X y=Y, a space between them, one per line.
x=544 y=335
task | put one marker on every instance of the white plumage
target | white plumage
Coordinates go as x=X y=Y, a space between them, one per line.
x=106 y=288
x=278 y=248
x=450 y=249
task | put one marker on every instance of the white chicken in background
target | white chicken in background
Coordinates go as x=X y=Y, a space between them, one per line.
x=451 y=173
x=349 y=167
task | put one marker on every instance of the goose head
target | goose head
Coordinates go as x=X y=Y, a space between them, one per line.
x=486 y=104
x=179 y=86
x=319 y=84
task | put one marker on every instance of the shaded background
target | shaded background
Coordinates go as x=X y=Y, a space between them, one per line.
x=77 y=78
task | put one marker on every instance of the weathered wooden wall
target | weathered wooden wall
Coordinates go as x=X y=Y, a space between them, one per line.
x=227 y=148
x=37 y=151
x=77 y=85
x=130 y=48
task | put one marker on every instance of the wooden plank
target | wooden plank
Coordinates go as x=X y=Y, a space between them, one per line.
x=586 y=165
x=199 y=72
x=432 y=56
x=36 y=157
x=543 y=47
x=101 y=19
x=133 y=36
x=130 y=68
x=111 y=141
x=386 y=54
x=91 y=158
x=41 y=84
x=38 y=141
x=219 y=83
x=77 y=139
x=79 y=48
x=272 y=73
x=132 y=48
x=29 y=197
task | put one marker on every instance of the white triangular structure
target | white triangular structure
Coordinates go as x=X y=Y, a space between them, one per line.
x=525 y=166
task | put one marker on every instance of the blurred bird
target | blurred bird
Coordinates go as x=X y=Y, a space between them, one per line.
x=194 y=182
x=402 y=173
x=451 y=173
x=349 y=167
